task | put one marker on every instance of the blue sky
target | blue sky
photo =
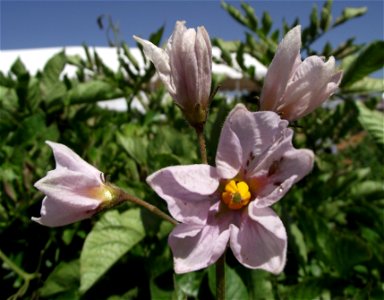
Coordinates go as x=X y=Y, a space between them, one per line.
x=32 y=24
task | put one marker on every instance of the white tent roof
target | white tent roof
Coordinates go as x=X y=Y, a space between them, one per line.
x=35 y=59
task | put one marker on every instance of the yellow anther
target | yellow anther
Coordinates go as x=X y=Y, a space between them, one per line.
x=236 y=194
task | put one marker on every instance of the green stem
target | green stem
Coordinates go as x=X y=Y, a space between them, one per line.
x=202 y=147
x=220 y=278
x=150 y=207
x=26 y=276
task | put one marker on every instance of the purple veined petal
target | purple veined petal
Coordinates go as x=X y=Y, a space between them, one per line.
x=245 y=138
x=275 y=138
x=289 y=169
x=195 y=249
x=57 y=213
x=260 y=240
x=67 y=159
x=284 y=63
x=305 y=92
x=188 y=191
x=160 y=59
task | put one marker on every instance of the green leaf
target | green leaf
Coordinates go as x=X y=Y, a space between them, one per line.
x=102 y=67
x=346 y=251
x=308 y=289
x=89 y=62
x=189 y=283
x=252 y=21
x=326 y=15
x=346 y=49
x=155 y=37
x=235 y=13
x=314 y=21
x=372 y=121
x=18 y=68
x=234 y=285
x=92 y=91
x=135 y=146
x=130 y=57
x=111 y=238
x=298 y=243
x=31 y=128
x=366 y=85
x=158 y=292
x=225 y=54
x=368 y=188
x=53 y=68
x=52 y=87
x=240 y=57
x=65 y=278
x=370 y=59
x=259 y=285
x=266 y=23
x=350 y=13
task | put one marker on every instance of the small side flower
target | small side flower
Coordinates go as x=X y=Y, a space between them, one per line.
x=294 y=88
x=74 y=190
x=185 y=68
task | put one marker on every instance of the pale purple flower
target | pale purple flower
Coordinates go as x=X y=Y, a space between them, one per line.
x=75 y=190
x=185 y=68
x=229 y=205
x=294 y=88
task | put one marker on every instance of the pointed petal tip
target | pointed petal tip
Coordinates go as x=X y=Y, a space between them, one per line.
x=36 y=219
x=137 y=39
x=50 y=143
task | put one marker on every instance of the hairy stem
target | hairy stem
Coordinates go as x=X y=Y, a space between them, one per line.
x=202 y=147
x=150 y=207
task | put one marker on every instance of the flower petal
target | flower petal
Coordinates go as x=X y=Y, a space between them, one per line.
x=160 y=59
x=260 y=240
x=183 y=65
x=292 y=166
x=203 y=49
x=188 y=191
x=244 y=139
x=195 y=249
x=67 y=159
x=313 y=82
x=283 y=65
x=68 y=186
x=58 y=213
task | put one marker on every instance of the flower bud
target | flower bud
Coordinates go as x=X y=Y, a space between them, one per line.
x=74 y=190
x=294 y=88
x=185 y=67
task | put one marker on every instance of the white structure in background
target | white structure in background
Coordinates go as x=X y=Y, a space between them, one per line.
x=35 y=59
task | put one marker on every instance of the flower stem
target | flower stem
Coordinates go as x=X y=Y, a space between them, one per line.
x=220 y=278
x=202 y=147
x=26 y=276
x=150 y=207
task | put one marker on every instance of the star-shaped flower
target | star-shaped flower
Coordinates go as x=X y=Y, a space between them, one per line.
x=229 y=205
